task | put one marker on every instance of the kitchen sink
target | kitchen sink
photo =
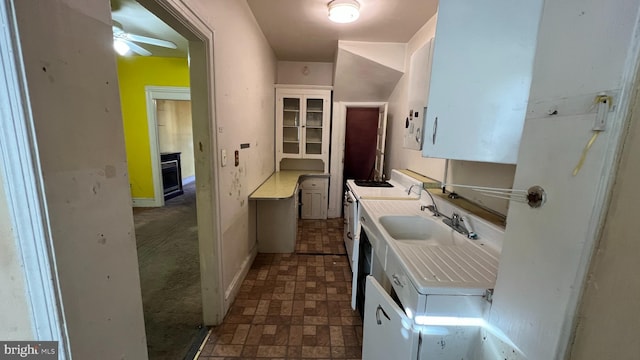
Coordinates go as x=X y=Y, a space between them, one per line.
x=420 y=230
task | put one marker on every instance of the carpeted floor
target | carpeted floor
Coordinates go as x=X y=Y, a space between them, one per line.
x=167 y=242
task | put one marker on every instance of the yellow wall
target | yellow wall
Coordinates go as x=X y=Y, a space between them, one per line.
x=134 y=73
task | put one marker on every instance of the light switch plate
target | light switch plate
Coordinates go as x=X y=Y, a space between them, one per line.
x=223 y=157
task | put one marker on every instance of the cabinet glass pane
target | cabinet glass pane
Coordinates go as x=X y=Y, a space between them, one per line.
x=313 y=141
x=314 y=112
x=290 y=148
x=314 y=149
x=291 y=112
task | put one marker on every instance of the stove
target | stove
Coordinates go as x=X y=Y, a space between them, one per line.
x=372 y=183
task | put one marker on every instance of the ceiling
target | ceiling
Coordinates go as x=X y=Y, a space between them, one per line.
x=297 y=30
x=137 y=20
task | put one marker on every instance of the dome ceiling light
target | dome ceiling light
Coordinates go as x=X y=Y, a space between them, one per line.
x=344 y=11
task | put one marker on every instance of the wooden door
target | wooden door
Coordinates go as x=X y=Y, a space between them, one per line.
x=361 y=140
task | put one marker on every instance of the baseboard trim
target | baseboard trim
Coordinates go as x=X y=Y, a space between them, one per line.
x=145 y=202
x=232 y=291
x=188 y=180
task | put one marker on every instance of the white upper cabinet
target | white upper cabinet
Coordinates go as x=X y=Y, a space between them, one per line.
x=302 y=124
x=418 y=94
x=480 y=79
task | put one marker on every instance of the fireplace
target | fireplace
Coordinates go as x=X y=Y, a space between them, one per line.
x=171 y=174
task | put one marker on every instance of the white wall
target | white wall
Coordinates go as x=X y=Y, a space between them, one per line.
x=305 y=73
x=14 y=312
x=73 y=87
x=547 y=250
x=245 y=72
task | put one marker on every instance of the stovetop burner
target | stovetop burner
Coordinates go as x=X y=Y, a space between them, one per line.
x=372 y=183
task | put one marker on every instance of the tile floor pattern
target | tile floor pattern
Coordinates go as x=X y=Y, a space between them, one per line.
x=290 y=306
x=320 y=236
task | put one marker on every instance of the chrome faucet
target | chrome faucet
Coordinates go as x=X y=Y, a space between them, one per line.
x=460 y=224
x=433 y=208
x=411 y=188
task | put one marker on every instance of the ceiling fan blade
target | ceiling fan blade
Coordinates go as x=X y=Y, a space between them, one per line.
x=137 y=48
x=151 y=41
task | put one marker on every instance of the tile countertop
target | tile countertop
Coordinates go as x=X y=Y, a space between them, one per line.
x=467 y=269
x=282 y=184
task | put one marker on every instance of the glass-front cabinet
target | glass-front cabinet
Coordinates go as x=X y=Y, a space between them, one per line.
x=302 y=117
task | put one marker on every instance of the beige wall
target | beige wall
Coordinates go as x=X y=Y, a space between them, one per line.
x=608 y=320
x=305 y=73
x=245 y=72
x=73 y=87
x=175 y=133
x=14 y=312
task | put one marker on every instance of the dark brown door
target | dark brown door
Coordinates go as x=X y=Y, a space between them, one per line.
x=360 y=143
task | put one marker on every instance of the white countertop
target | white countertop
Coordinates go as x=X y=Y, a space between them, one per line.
x=466 y=269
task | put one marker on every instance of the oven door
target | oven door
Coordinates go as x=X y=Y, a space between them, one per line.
x=349 y=206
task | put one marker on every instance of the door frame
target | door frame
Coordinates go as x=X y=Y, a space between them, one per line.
x=338 y=133
x=20 y=171
x=184 y=19
x=153 y=93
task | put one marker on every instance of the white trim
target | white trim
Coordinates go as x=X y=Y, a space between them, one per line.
x=309 y=87
x=233 y=289
x=20 y=167
x=144 y=202
x=153 y=93
x=188 y=180
x=619 y=124
x=337 y=150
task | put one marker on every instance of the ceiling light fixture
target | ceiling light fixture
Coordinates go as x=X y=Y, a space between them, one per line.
x=121 y=47
x=344 y=11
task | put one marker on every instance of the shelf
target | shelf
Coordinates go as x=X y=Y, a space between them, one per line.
x=314 y=111
x=314 y=127
x=290 y=126
x=292 y=110
x=291 y=141
x=314 y=142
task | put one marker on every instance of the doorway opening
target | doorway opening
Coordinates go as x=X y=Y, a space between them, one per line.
x=342 y=159
x=181 y=291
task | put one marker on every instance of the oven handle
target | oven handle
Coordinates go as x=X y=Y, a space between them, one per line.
x=378 y=321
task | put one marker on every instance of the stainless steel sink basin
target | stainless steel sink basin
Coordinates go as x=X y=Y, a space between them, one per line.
x=417 y=229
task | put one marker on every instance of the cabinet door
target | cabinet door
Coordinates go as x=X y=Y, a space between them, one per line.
x=316 y=126
x=480 y=79
x=387 y=332
x=307 y=204
x=289 y=110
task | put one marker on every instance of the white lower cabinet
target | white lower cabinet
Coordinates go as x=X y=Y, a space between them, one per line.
x=314 y=198
x=387 y=330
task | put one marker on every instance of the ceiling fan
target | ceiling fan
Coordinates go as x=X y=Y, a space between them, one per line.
x=124 y=42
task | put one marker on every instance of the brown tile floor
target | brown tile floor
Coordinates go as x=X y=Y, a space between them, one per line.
x=291 y=306
x=320 y=237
